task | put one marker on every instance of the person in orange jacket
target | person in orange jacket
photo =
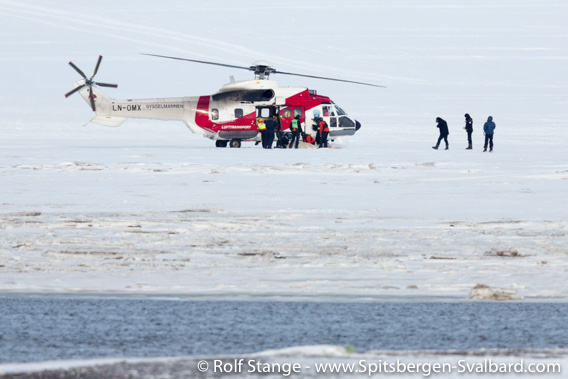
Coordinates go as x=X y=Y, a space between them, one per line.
x=323 y=131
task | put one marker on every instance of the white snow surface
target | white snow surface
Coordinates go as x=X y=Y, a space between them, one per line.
x=151 y=209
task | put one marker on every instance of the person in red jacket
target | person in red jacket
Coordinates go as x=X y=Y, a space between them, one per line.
x=323 y=131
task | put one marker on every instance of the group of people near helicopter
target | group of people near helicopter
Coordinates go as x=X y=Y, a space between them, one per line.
x=488 y=131
x=269 y=128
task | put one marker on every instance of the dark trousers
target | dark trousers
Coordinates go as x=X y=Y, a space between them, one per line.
x=323 y=139
x=295 y=138
x=269 y=139
x=264 y=135
x=442 y=137
x=488 y=139
x=469 y=137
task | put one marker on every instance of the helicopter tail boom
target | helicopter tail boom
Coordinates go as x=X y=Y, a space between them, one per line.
x=103 y=106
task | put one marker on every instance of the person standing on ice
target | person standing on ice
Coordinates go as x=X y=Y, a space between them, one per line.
x=488 y=129
x=262 y=130
x=469 y=129
x=323 y=132
x=296 y=128
x=270 y=130
x=444 y=132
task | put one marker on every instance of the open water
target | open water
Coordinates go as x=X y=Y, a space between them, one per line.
x=53 y=328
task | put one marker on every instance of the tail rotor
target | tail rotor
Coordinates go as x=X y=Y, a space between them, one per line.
x=89 y=83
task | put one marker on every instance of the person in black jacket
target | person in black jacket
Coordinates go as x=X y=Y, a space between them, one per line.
x=469 y=129
x=270 y=130
x=444 y=132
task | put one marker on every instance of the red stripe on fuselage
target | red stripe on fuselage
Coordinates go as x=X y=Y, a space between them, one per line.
x=202 y=113
x=308 y=101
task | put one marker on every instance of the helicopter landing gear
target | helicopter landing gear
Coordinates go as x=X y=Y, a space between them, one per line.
x=236 y=143
x=220 y=143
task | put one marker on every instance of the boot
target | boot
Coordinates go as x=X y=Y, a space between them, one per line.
x=436 y=147
x=469 y=147
x=484 y=149
x=447 y=147
x=491 y=149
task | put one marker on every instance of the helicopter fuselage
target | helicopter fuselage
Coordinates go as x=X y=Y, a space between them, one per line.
x=231 y=114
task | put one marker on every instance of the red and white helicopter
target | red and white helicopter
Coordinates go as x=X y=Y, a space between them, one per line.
x=230 y=115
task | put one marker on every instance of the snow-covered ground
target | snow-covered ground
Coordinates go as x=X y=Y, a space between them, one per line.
x=149 y=208
x=312 y=224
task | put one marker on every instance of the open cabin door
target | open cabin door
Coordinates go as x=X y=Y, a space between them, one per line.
x=288 y=113
x=265 y=112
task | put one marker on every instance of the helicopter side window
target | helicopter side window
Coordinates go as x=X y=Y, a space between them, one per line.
x=297 y=112
x=333 y=122
x=214 y=114
x=286 y=113
x=239 y=113
x=265 y=112
x=325 y=111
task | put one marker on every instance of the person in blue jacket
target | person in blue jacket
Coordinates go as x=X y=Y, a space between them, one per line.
x=489 y=130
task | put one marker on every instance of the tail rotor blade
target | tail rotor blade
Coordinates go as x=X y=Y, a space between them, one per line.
x=97 y=66
x=74 y=90
x=106 y=85
x=78 y=70
x=91 y=97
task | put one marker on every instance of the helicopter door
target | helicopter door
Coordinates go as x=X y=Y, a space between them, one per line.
x=288 y=114
x=329 y=115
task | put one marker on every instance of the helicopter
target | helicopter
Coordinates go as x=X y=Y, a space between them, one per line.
x=230 y=115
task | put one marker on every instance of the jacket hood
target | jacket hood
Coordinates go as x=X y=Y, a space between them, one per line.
x=490 y=118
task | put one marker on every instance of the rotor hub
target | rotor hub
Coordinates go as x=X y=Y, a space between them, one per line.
x=262 y=69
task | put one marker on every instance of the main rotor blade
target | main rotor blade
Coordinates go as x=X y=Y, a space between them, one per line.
x=194 y=60
x=97 y=66
x=78 y=70
x=106 y=85
x=74 y=90
x=324 y=78
x=91 y=97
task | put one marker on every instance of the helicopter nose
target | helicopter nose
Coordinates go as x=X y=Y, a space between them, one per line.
x=357 y=125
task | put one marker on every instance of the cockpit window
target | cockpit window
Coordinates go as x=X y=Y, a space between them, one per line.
x=340 y=111
x=214 y=114
x=346 y=122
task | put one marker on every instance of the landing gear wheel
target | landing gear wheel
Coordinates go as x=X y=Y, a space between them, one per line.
x=220 y=143
x=236 y=143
